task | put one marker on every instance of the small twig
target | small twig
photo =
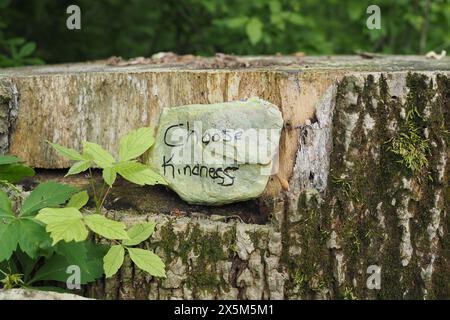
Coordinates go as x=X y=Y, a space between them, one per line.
x=104 y=197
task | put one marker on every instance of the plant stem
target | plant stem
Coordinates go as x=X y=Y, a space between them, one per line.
x=10 y=185
x=102 y=193
x=91 y=179
x=104 y=197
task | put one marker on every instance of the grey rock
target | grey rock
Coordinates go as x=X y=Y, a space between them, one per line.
x=219 y=153
x=29 y=294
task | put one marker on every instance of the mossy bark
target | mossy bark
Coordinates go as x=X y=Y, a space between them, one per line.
x=8 y=113
x=376 y=210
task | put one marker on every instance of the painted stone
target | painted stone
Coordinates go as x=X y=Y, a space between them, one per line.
x=218 y=153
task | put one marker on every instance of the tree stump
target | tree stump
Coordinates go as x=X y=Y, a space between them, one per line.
x=364 y=154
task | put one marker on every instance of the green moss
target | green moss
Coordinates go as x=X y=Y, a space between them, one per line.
x=440 y=122
x=207 y=248
x=349 y=294
x=168 y=242
x=5 y=95
x=257 y=237
x=305 y=276
x=411 y=147
x=4 y=111
x=409 y=143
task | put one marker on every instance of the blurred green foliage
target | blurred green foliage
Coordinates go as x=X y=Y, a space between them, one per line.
x=15 y=51
x=143 y=27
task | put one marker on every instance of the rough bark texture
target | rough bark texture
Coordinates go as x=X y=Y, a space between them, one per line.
x=365 y=150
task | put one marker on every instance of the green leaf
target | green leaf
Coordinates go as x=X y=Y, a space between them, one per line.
x=86 y=255
x=72 y=250
x=15 y=172
x=54 y=215
x=113 y=260
x=48 y=194
x=5 y=205
x=135 y=143
x=79 y=167
x=4 y=3
x=105 y=227
x=147 y=261
x=139 y=173
x=139 y=232
x=32 y=237
x=27 y=49
x=68 y=230
x=8 y=159
x=275 y=6
x=33 y=61
x=53 y=269
x=78 y=200
x=63 y=224
x=100 y=156
x=68 y=153
x=235 y=23
x=109 y=175
x=356 y=10
x=26 y=263
x=8 y=238
x=296 y=19
x=254 y=30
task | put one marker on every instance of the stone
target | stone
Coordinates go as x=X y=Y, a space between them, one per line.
x=29 y=294
x=218 y=153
